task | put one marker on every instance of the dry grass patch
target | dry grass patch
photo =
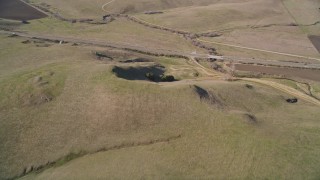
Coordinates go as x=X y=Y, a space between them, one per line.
x=222 y=15
x=214 y=144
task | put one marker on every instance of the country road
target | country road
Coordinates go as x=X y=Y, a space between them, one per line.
x=277 y=63
x=260 y=50
x=218 y=43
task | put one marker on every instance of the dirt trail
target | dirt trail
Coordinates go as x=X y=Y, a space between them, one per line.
x=207 y=71
x=286 y=89
x=106 y=4
x=261 y=50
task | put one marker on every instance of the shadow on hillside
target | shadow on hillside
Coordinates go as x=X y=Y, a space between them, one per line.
x=139 y=73
x=208 y=97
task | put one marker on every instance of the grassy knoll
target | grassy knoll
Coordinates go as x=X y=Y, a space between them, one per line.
x=32 y=88
x=82 y=102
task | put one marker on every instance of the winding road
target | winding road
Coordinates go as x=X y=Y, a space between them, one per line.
x=106 y=4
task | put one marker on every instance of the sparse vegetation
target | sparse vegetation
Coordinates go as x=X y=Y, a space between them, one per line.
x=65 y=115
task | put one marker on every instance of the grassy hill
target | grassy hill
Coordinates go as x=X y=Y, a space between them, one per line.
x=87 y=8
x=79 y=111
x=59 y=107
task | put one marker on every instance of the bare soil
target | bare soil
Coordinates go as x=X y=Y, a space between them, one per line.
x=17 y=10
x=310 y=74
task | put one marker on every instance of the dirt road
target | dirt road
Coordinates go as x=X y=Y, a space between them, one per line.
x=286 y=89
x=106 y=4
x=260 y=50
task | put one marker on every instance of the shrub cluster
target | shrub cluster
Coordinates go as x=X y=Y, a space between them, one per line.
x=163 y=78
x=167 y=78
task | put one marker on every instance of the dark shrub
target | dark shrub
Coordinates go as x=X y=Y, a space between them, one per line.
x=293 y=100
x=249 y=86
x=24 y=22
x=102 y=55
x=150 y=76
x=167 y=78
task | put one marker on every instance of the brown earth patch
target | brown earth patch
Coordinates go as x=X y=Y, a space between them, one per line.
x=17 y=10
x=311 y=74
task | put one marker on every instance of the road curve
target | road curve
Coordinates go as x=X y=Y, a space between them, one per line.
x=106 y=4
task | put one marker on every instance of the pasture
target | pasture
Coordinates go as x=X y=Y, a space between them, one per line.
x=88 y=111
